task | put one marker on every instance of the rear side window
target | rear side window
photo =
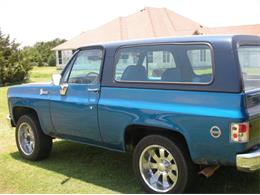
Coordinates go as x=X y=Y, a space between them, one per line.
x=249 y=60
x=180 y=63
x=200 y=60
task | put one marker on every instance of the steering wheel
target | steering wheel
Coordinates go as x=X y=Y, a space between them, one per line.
x=93 y=74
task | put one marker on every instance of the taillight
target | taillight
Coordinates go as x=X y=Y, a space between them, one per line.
x=239 y=132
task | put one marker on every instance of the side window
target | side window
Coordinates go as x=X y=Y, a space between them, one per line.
x=200 y=60
x=67 y=69
x=126 y=59
x=86 y=67
x=176 y=63
x=162 y=60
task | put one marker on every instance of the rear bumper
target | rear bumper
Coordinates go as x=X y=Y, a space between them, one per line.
x=249 y=161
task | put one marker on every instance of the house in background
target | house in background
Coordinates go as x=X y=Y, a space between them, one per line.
x=147 y=23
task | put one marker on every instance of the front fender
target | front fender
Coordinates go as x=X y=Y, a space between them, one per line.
x=28 y=96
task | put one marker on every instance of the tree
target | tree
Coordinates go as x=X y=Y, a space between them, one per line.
x=14 y=63
x=41 y=54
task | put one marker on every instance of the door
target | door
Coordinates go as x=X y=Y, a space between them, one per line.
x=74 y=103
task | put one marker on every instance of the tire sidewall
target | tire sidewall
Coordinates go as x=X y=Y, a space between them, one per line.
x=27 y=119
x=180 y=160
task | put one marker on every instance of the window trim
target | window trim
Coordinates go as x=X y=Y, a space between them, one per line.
x=165 y=82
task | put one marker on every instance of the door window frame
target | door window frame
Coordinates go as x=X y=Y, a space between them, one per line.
x=70 y=65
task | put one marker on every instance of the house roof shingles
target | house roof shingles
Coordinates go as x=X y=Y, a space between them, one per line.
x=150 y=23
x=147 y=23
x=244 y=29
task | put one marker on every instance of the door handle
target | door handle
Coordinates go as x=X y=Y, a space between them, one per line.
x=93 y=89
x=63 y=88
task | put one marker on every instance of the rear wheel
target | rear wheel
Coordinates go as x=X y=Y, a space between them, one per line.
x=31 y=142
x=161 y=165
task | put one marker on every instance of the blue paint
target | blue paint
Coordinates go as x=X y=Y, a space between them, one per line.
x=75 y=113
x=190 y=113
x=101 y=118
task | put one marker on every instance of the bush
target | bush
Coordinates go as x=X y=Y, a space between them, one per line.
x=52 y=60
x=14 y=63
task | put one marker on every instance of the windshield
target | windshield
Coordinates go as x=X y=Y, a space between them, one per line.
x=249 y=59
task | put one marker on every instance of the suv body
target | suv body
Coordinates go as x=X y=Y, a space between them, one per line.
x=196 y=91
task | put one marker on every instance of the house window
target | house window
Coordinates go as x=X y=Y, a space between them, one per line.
x=203 y=55
x=60 y=57
x=150 y=57
x=201 y=62
x=166 y=57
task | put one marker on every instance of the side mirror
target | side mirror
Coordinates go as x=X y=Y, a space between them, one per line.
x=55 y=79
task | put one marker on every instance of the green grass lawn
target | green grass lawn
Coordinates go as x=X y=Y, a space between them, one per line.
x=76 y=168
x=39 y=74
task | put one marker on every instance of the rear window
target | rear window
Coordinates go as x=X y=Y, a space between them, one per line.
x=249 y=60
x=180 y=63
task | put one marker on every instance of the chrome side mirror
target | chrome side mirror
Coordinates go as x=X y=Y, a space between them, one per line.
x=55 y=79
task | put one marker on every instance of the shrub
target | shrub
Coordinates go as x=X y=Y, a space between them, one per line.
x=14 y=63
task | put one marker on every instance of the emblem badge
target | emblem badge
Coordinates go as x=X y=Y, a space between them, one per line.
x=215 y=132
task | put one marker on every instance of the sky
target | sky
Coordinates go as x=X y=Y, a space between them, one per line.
x=29 y=21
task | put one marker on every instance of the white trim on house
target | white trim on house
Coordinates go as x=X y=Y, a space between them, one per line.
x=62 y=57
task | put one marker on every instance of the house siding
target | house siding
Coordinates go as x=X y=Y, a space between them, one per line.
x=63 y=58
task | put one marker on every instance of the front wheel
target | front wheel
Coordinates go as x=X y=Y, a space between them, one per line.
x=31 y=142
x=161 y=165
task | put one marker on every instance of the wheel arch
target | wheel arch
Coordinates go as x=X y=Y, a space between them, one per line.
x=19 y=111
x=134 y=133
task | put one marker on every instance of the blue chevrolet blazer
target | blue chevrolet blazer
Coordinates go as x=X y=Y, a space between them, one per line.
x=173 y=102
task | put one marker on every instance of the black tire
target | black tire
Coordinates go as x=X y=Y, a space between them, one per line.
x=181 y=157
x=42 y=143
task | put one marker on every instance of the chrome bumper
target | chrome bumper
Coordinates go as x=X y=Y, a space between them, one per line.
x=249 y=161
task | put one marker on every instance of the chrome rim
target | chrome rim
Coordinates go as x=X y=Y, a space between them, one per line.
x=26 y=138
x=158 y=168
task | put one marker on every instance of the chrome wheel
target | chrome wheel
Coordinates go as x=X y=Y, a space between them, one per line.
x=26 y=138
x=158 y=168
